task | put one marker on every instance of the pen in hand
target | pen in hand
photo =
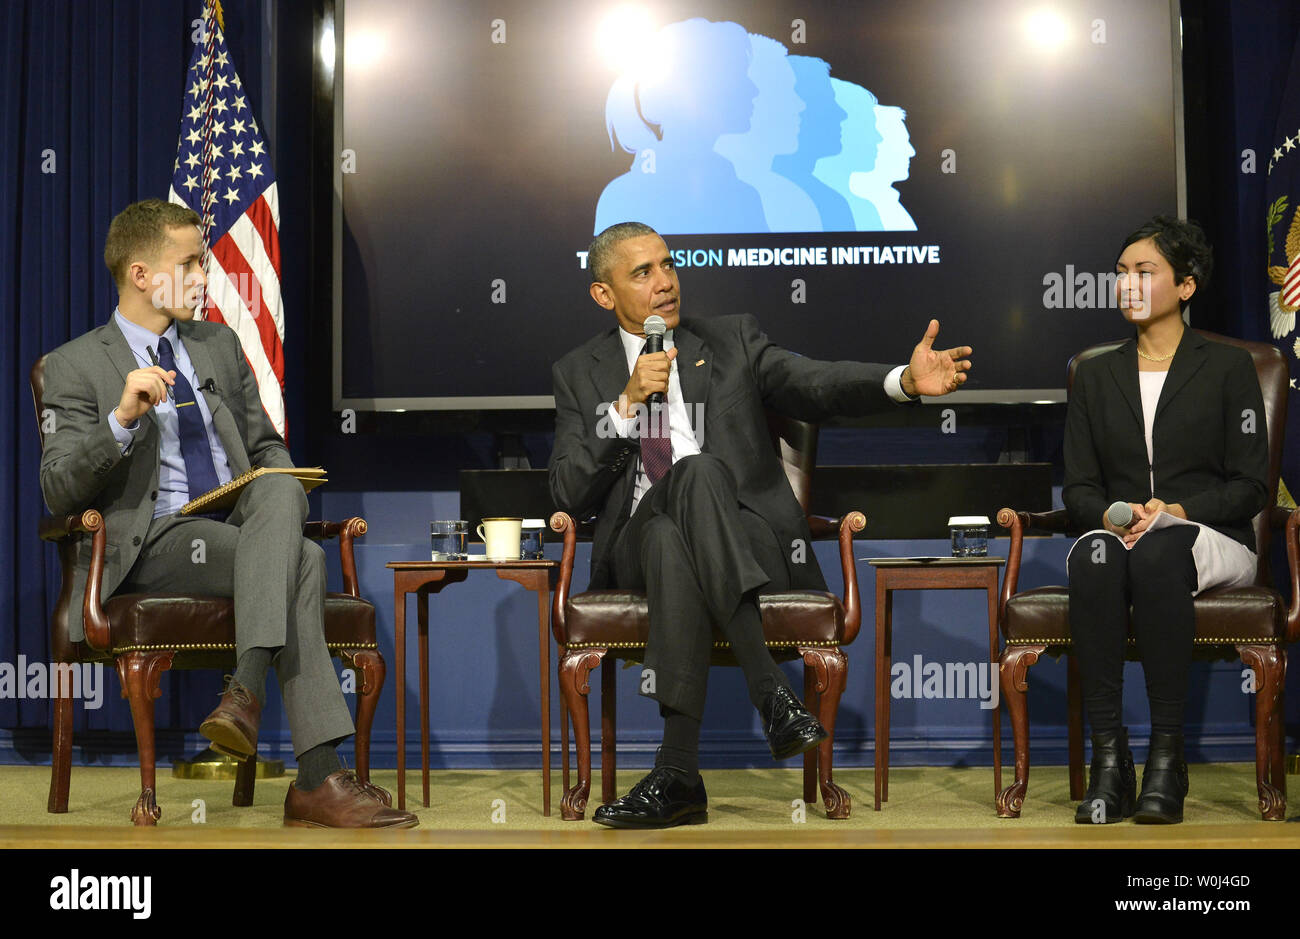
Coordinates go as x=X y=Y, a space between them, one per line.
x=167 y=376
x=144 y=388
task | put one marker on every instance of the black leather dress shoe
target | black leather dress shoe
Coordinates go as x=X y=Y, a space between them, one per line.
x=661 y=800
x=1164 y=782
x=790 y=727
x=1112 y=781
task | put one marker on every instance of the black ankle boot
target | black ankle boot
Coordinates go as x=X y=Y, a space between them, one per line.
x=1112 y=781
x=1164 y=782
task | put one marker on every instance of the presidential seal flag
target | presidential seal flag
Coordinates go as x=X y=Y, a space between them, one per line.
x=223 y=173
x=1282 y=220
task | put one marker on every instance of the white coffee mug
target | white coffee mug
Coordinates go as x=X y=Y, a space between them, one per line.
x=501 y=538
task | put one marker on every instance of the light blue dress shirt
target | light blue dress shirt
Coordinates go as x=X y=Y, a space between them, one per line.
x=173 y=492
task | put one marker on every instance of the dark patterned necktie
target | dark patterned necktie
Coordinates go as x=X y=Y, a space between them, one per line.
x=200 y=471
x=656 y=441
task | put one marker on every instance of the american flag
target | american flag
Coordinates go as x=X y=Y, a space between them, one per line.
x=224 y=174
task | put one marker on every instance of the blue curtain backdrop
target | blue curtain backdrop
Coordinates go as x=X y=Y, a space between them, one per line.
x=99 y=83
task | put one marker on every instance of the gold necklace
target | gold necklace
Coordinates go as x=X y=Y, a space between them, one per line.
x=1152 y=358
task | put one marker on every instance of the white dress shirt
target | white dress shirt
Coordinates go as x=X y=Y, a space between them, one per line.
x=1151 y=384
x=685 y=438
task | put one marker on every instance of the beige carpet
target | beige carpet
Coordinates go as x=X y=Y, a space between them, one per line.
x=921 y=799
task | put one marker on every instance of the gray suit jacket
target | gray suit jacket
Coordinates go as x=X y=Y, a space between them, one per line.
x=82 y=465
x=740 y=374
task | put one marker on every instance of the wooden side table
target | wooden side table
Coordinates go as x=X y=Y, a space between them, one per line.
x=928 y=574
x=425 y=577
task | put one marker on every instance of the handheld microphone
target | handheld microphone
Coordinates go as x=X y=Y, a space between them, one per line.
x=1120 y=514
x=654 y=328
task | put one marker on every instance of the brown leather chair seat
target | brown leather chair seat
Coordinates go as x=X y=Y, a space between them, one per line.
x=621 y=619
x=1224 y=616
x=142 y=621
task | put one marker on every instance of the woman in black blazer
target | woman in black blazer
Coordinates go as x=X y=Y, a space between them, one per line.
x=1172 y=425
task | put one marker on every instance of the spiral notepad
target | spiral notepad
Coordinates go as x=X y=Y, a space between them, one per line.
x=224 y=497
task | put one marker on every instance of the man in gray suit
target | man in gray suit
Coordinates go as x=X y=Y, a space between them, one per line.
x=132 y=436
x=696 y=512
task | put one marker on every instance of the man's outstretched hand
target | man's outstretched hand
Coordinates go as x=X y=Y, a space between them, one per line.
x=935 y=373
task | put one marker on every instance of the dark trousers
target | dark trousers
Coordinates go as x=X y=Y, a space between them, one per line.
x=697 y=553
x=1157 y=577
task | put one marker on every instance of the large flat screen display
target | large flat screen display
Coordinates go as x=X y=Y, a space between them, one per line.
x=843 y=171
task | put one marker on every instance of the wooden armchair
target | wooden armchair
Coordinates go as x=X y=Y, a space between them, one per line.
x=606 y=625
x=143 y=635
x=1246 y=623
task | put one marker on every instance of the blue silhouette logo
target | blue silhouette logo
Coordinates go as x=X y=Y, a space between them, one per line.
x=729 y=133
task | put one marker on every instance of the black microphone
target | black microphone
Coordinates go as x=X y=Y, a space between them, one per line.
x=654 y=328
x=208 y=385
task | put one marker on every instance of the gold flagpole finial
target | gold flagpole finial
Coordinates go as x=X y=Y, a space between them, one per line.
x=221 y=20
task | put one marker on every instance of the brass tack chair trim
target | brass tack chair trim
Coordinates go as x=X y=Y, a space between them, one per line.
x=221 y=647
x=716 y=645
x=1131 y=641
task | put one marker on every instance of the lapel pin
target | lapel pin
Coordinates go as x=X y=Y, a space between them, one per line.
x=699 y=363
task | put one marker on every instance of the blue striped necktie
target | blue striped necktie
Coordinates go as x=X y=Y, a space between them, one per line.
x=200 y=470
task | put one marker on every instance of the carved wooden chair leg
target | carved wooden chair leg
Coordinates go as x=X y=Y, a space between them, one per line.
x=810 y=701
x=564 y=741
x=575 y=670
x=1013 y=668
x=1074 y=704
x=61 y=764
x=245 y=779
x=370 y=669
x=1268 y=665
x=1279 y=726
x=831 y=669
x=140 y=673
x=608 y=730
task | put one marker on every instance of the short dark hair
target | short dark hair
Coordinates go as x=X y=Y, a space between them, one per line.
x=1182 y=243
x=600 y=254
x=140 y=230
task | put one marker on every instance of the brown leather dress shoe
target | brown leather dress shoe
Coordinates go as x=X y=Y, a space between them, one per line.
x=342 y=801
x=232 y=727
x=379 y=793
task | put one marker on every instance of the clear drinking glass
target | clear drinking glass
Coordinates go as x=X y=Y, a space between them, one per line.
x=448 y=539
x=970 y=536
x=531 y=539
x=970 y=542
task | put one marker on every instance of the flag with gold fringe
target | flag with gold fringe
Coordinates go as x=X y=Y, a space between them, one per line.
x=224 y=173
x=1282 y=221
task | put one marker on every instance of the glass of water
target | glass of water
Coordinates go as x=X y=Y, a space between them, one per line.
x=448 y=539
x=970 y=536
x=531 y=539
